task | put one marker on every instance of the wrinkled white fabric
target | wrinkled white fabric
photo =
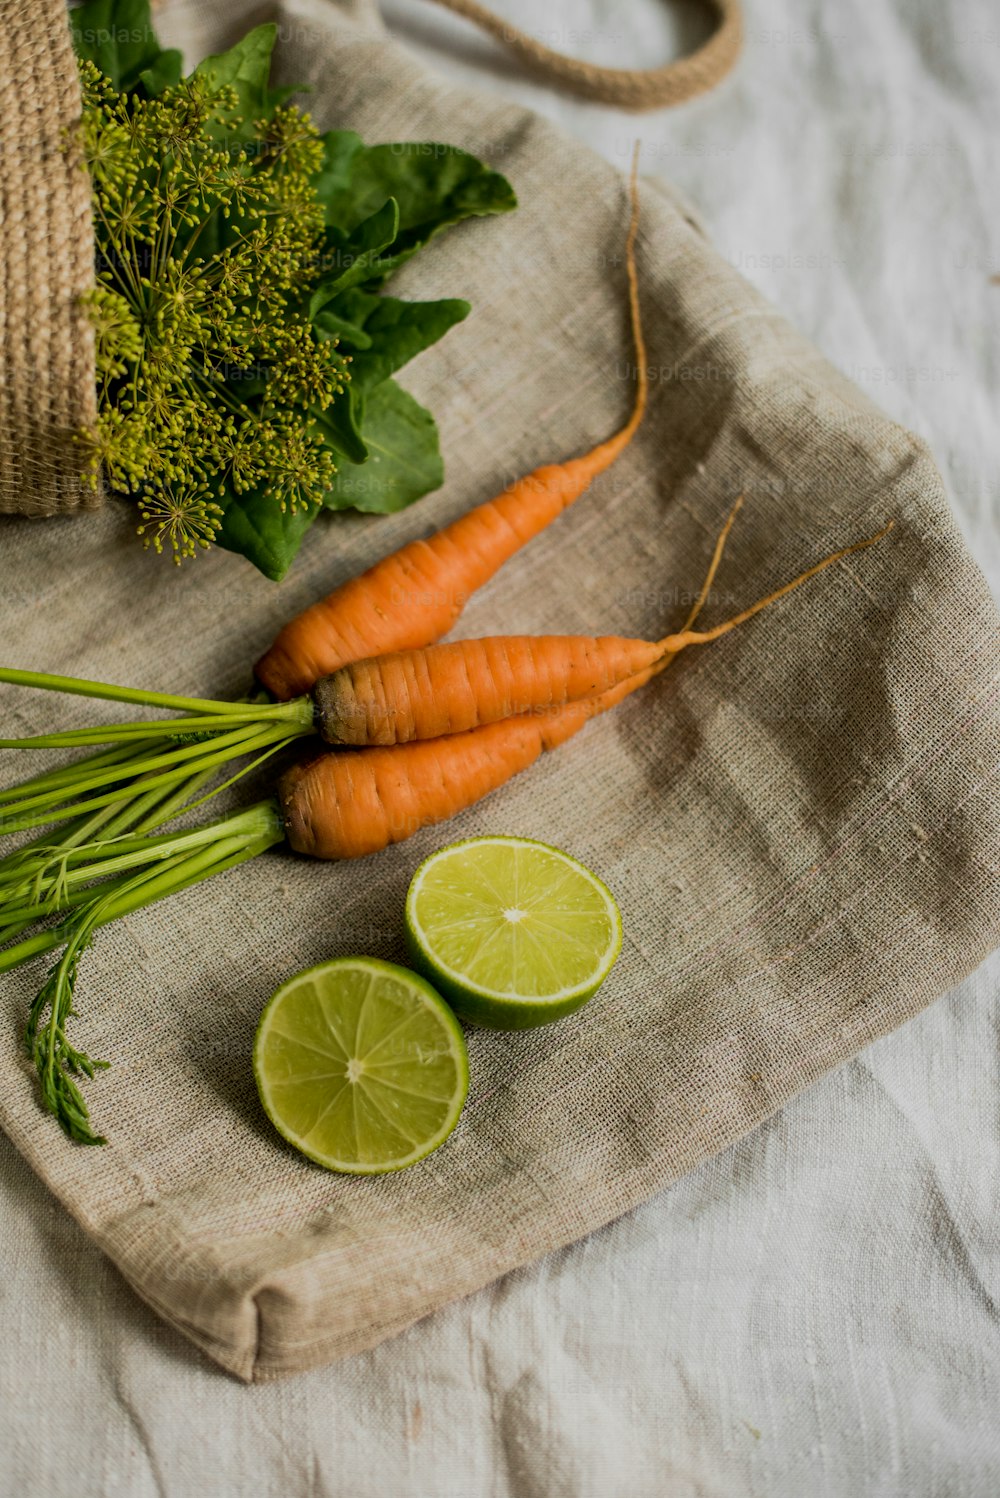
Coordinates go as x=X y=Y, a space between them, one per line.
x=815 y=1311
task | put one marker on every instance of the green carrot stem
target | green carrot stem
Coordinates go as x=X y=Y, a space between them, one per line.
x=167 y=877
x=39 y=853
x=161 y=804
x=16 y=921
x=80 y=687
x=160 y=758
x=299 y=713
x=53 y=779
x=84 y=865
x=37 y=811
x=139 y=813
x=112 y=819
x=84 y=830
x=247 y=769
x=148 y=812
x=57 y=1061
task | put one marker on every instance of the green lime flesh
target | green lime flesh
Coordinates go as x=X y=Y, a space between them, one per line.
x=361 y=1065
x=513 y=932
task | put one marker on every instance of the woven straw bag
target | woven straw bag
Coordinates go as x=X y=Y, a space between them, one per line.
x=47 y=391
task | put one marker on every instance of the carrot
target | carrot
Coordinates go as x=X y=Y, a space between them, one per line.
x=394 y=698
x=346 y=805
x=423 y=694
x=415 y=595
x=358 y=802
x=445 y=689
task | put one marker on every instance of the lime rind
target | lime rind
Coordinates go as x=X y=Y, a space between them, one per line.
x=329 y=1063
x=507 y=1006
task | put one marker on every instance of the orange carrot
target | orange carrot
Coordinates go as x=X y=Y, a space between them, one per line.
x=422 y=694
x=414 y=596
x=445 y=689
x=357 y=802
x=345 y=805
x=353 y=803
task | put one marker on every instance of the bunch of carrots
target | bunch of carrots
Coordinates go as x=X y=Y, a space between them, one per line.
x=420 y=730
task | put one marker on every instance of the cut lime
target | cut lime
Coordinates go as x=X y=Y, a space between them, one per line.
x=361 y=1065
x=513 y=932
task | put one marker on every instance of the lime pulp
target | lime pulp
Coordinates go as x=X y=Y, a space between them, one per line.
x=361 y=1065
x=513 y=932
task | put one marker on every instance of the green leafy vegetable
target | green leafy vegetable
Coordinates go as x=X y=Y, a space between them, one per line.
x=118 y=37
x=435 y=187
x=356 y=259
x=244 y=350
x=245 y=69
x=268 y=536
x=396 y=331
x=208 y=374
x=404 y=460
x=163 y=73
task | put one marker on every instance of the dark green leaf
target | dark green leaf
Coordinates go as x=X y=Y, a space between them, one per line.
x=404 y=462
x=381 y=204
x=330 y=324
x=354 y=260
x=435 y=186
x=255 y=527
x=163 y=72
x=118 y=36
x=394 y=332
x=340 y=150
x=340 y=424
x=246 y=68
x=398 y=331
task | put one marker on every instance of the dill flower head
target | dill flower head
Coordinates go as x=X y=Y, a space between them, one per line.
x=180 y=519
x=209 y=371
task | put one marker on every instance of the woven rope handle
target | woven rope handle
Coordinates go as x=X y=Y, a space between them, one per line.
x=628 y=88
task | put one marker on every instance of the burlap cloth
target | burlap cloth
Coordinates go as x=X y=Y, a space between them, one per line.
x=796 y=821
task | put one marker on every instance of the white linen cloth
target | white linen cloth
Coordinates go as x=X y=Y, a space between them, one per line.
x=815 y=1312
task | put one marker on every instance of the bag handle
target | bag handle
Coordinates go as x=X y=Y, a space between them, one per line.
x=627 y=88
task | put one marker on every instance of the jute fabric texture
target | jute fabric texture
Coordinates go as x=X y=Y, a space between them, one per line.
x=797 y=822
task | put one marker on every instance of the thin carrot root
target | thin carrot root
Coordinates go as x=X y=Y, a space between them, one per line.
x=672 y=644
x=415 y=595
x=622 y=438
x=713 y=566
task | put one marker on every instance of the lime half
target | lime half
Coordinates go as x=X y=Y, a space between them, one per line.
x=514 y=933
x=361 y=1065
